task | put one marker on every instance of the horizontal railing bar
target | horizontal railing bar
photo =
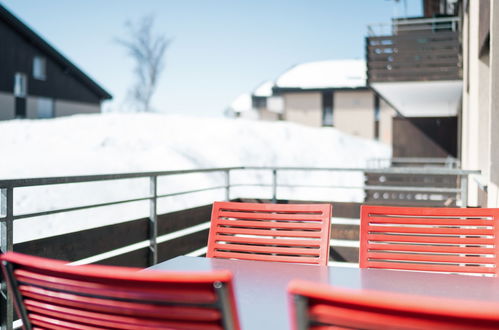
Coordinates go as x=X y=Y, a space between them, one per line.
x=103 y=177
x=250 y=185
x=412 y=21
x=422 y=160
x=393 y=170
x=76 y=208
x=198 y=252
x=385 y=188
x=17 y=183
x=413 y=189
x=142 y=244
x=190 y=191
x=317 y=186
x=293 y=186
x=426 y=20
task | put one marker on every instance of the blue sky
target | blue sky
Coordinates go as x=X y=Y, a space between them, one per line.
x=220 y=49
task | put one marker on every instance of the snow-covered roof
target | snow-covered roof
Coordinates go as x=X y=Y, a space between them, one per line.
x=264 y=89
x=325 y=74
x=241 y=103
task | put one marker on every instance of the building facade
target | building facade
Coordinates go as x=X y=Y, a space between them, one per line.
x=36 y=81
x=415 y=64
x=326 y=94
x=480 y=111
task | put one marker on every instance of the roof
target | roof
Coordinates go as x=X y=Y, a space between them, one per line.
x=264 y=89
x=21 y=28
x=324 y=74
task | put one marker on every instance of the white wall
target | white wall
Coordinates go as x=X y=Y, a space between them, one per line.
x=386 y=122
x=354 y=112
x=303 y=108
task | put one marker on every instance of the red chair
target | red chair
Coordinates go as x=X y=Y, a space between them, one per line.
x=320 y=306
x=270 y=232
x=49 y=294
x=454 y=240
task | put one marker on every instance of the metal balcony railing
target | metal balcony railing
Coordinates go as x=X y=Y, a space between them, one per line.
x=283 y=183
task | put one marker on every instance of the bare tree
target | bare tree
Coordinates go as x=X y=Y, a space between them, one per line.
x=147 y=50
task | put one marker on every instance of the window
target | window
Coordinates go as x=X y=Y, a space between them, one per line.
x=259 y=102
x=376 y=116
x=327 y=109
x=39 y=68
x=44 y=107
x=20 y=85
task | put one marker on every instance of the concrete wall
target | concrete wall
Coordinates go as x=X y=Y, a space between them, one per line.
x=480 y=115
x=7 y=106
x=264 y=114
x=31 y=107
x=470 y=113
x=303 y=108
x=354 y=112
x=386 y=122
x=493 y=195
x=67 y=108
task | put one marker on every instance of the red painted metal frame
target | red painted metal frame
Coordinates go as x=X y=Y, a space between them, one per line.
x=454 y=240
x=51 y=294
x=321 y=306
x=297 y=233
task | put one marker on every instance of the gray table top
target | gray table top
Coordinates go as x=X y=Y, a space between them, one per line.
x=260 y=287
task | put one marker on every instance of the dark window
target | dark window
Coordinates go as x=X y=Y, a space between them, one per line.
x=20 y=107
x=376 y=116
x=327 y=109
x=259 y=102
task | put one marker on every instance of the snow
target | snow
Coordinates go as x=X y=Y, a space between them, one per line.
x=325 y=74
x=119 y=143
x=264 y=89
x=242 y=103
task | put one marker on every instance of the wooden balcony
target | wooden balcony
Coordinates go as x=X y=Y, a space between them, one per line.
x=415 y=50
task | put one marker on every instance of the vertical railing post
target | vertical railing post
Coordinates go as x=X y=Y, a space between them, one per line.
x=274 y=185
x=153 y=220
x=464 y=190
x=227 y=185
x=6 y=244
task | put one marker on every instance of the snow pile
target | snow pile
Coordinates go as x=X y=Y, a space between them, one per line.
x=119 y=143
x=325 y=74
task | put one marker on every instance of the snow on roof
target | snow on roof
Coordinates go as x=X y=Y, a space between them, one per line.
x=242 y=103
x=264 y=89
x=325 y=74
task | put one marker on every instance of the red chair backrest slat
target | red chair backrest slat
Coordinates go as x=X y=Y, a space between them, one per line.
x=49 y=294
x=270 y=232
x=454 y=240
x=320 y=306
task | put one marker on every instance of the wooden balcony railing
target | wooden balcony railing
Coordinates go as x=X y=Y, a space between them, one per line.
x=415 y=50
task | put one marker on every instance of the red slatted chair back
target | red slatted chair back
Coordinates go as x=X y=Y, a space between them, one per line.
x=270 y=232
x=49 y=294
x=320 y=306
x=454 y=240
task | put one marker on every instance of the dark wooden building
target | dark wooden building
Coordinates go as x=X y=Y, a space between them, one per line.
x=36 y=81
